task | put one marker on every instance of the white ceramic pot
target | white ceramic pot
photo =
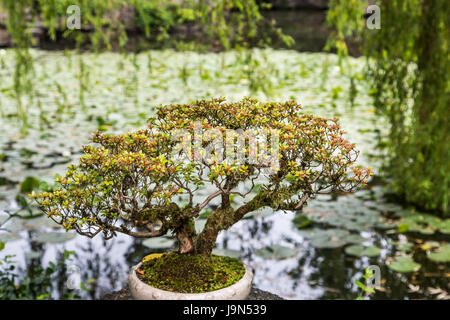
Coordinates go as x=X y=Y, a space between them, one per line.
x=142 y=291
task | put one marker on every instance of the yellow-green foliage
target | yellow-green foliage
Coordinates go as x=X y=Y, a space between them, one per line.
x=132 y=182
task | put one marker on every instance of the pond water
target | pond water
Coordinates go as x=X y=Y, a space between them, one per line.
x=321 y=261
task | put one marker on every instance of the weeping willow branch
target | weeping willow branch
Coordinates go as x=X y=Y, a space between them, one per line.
x=409 y=70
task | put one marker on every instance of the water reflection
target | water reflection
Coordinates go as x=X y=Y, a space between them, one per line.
x=328 y=273
x=308 y=273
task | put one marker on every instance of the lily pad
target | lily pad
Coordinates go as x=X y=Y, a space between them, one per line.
x=444 y=226
x=9 y=236
x=387 y=207
x=350 y=216
x=3 y=218
x=403 y=246
x=421 y=223
x=430 y=245
x=226 y=252
x=307 y=233
x=441 y=255
x=34 y=223
x=362 y=251
x=330 y=238
x=14 y=225
x=355 y=239
x=159 y=243
x=276 y=252
x=404 y=264
x=384 y=225
x=330 y=243
x=33 y=255
x=404 y=213
x=54 y=237
x=364 y=194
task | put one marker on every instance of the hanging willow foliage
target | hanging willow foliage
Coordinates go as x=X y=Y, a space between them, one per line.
x=409 y=68
x=218 y=24
x=19 y=31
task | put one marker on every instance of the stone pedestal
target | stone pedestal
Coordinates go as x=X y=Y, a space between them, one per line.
x=255 y=294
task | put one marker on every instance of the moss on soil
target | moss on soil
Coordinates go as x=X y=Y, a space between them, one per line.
x=191 y=273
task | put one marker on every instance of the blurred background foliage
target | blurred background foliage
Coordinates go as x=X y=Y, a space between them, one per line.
x=408 y=65
x=198 y=25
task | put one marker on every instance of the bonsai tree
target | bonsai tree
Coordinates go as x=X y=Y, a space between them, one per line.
x=209 y=155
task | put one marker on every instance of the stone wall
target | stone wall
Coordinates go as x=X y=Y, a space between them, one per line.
x=300 y=4
x=127 y=13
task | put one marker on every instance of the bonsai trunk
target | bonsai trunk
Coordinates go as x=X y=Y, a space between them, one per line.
x=222 y=219
x=185 y=239
x=219 y=220
x=206 y=240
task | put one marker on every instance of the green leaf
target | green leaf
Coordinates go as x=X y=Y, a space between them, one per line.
x=205 y=214
x=2 y=245
x=368 y=274
x=23 y=203
x=301 y=221
x=402 y=227
x=68 y=253
x=29 y=184
x=360 y=284
x=44 y=186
